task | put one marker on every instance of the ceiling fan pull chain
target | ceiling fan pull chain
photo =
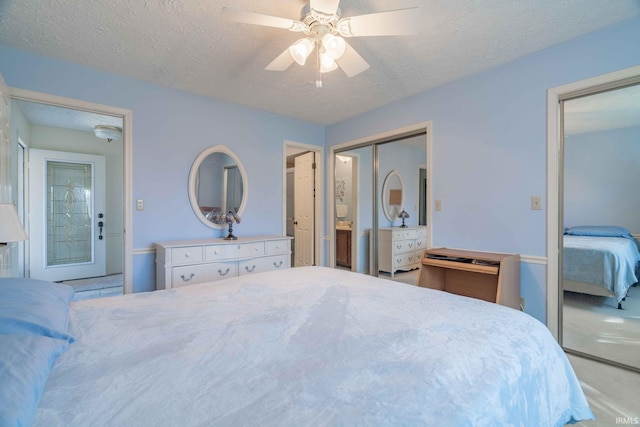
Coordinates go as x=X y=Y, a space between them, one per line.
x=319 y=78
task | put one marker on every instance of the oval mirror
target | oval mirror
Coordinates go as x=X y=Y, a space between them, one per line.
x=217 y=185
x=392 y=195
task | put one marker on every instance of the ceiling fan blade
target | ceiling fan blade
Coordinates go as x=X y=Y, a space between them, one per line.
x=282 y=62
x=351 y=62
x=392 y=23
x=246 y=17
x=327 y=7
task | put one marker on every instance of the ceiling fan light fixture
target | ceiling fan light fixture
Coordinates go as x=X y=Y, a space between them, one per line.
x=301 y=50
x=334 y=45
x=327 y=63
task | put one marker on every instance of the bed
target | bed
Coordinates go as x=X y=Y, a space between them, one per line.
x=599 y=260
x=303 y=346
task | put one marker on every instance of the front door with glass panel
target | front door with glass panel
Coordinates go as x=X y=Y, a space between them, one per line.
x=67 y=215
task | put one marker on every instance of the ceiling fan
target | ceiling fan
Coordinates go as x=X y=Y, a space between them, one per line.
x=324 y=30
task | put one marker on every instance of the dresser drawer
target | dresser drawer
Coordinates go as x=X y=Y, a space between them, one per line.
x=186 y=255
x=397 y=235
x=405 y=259
x=234 y=251
x=192 y=274
x=413 y=234
x=258 y=265
x=277 y=246
x=404 y=246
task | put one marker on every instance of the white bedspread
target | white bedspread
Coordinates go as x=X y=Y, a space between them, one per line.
x=307 y=346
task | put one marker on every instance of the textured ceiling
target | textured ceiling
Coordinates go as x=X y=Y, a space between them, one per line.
x=185 y=44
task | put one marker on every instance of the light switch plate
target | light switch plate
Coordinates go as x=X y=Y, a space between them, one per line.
x=536 y=203
x=140 y=204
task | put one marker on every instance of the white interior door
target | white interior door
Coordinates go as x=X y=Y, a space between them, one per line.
x=67 y=205
x=303 y=189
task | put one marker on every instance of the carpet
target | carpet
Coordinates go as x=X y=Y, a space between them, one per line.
x=594 y=325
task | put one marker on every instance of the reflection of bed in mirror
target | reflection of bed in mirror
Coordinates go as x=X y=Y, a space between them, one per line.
x=599 y=260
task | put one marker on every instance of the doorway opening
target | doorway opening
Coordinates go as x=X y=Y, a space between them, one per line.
x=51 y=129
x=302 y=187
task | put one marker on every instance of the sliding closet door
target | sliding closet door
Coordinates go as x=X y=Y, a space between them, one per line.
x=600 y=179
x=363 y=205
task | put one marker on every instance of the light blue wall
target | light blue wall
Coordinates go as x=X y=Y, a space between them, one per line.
x=489 y=146
x=170 y=128
x=601 y=176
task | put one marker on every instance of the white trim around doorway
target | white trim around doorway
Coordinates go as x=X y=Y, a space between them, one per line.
x=127 y=136
x=319 y=217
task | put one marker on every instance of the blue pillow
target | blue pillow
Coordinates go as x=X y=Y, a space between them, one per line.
x=25 y=364
x=34 y=307
x=599 y=231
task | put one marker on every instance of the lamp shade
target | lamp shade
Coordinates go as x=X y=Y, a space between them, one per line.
x=11 y=229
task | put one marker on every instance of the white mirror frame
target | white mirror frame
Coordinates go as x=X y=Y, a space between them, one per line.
x=193 y=183
x=385 y=197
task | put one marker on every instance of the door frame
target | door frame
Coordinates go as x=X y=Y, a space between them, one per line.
x=319 y=218
x=127 y=140
x=554 y=190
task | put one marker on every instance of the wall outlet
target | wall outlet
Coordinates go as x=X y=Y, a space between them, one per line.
x=140 y=204
x=438 y=205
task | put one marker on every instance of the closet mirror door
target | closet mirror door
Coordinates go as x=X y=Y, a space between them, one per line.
x=600 y=205
x=360 y=201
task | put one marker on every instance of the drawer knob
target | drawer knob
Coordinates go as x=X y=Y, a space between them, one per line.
x=249 y=270
x=186 y=279
x=221 y=273
x=186 y=255
x=410 y=245
x=398 y=246
x=277 y=265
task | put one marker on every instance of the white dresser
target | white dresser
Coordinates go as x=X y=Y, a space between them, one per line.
x=185 y=262
x=401 y=248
